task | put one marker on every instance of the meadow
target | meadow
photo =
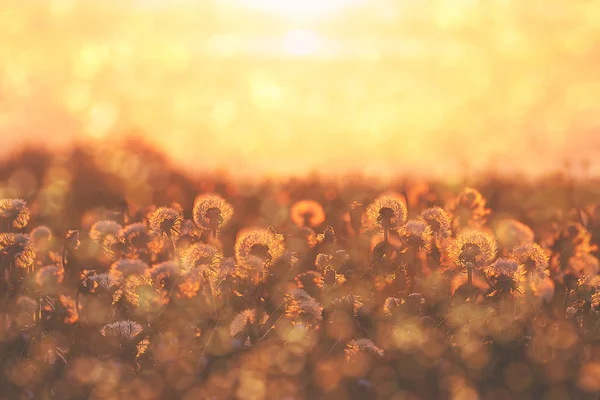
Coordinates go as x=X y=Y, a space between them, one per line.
x=124 y=278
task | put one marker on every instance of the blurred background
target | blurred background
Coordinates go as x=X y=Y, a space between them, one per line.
x=272 y=87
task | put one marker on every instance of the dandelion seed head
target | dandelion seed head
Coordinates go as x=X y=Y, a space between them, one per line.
x=259 y=244
x=242 y=320
x=438 y=220
x=123 y=330
x=18 y=247
x=204 y=257
x=49 y=277
x=164 y=270
x=102 y=230
x=40 y=236
x=532 y=257
x=416 y=234
x=128 y=266
x=166 y=221
x=362 y=346
x=511 y=233
x=390 y=208
x=307 y=213
x=209 y=208
x=301 y=307
x=472 y=248
x=15 y=211
x=469 y=208
x=133 y=232
x=392 y=305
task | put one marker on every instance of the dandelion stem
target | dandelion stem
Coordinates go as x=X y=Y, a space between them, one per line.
x=470 y=278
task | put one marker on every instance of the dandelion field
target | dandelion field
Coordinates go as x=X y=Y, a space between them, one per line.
x=299 y=199
x=306 y=288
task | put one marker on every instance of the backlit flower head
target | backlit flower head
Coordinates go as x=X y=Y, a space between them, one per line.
x=105 y=232
x=48 y=278
x=243 y=320
x=18 y=248
x=307 y=213
x=469 y=208
x=15 y=212
x=300 y=307
x=392 y=305
x=166 y=221
x=416 y=234
x=212 y=211
x=139 y=291
x=473 y=249
x=204 y=257
x=502 y=274
x=136 y=234
x=439 y=221
x=531 y=257
x=100 y=283
x=263 y=245
x=126 y=267
x=309 y=280
x=123 y=330
x=354 y=347
x=511 y=233
x=164 y=270
x=40 y=237
x=390 y=208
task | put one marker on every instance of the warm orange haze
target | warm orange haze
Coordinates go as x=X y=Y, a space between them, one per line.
x=379 y=86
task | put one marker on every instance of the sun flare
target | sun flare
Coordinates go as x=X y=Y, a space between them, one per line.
x=301 y=42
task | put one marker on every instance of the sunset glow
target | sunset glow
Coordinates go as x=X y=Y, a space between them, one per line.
x=287 y=87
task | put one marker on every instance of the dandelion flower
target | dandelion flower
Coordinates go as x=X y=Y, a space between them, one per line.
x=387 y=211
x=126 y=332
x=96 y=283
x=15 y=212
x=136 y=234
x=127 y=266
x=242 y=321
x=18 y=248
x=439 y=221
x=511 y=233
x=307 y=213
x=166 y=221
x=40 y=237
x=391 y=306
x=164 y=270
x=204 y=257
x=531 y=257
x=354 y=347
x=48 y=278
x=301 y=307
x=102 y=230
x=502 y=275
x=416 y=234
x=473 y=249
x=263 y=245
x=469 y=208
x=212 y=212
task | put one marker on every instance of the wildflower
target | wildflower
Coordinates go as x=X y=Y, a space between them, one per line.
x=439 y=222
x=40 y=237
x=307 y=213
x=354 y=347
x=584 y=264
x=127 y=333
x=136 y=234
x=387 y=211
x=97 y=283
x=166 y=221
x=348 y=304
x=301 y=307
x=18 y=248
x=258 y=247
x=243 y=320
x=139 y=291
x=48 y=278
x=473 y=249
x=102 y=230
x=204 y=257
x=502 y=275
x=511 y=233
x=309 y=280
x=164 y=271
x=469 y=209
x=212 y=212
x=533 y=266
x=416 y=234
x=65 y=310
x=15 y=212
x=126 y=267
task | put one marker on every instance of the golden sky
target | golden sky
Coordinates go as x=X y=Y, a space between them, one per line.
x=275 y=86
